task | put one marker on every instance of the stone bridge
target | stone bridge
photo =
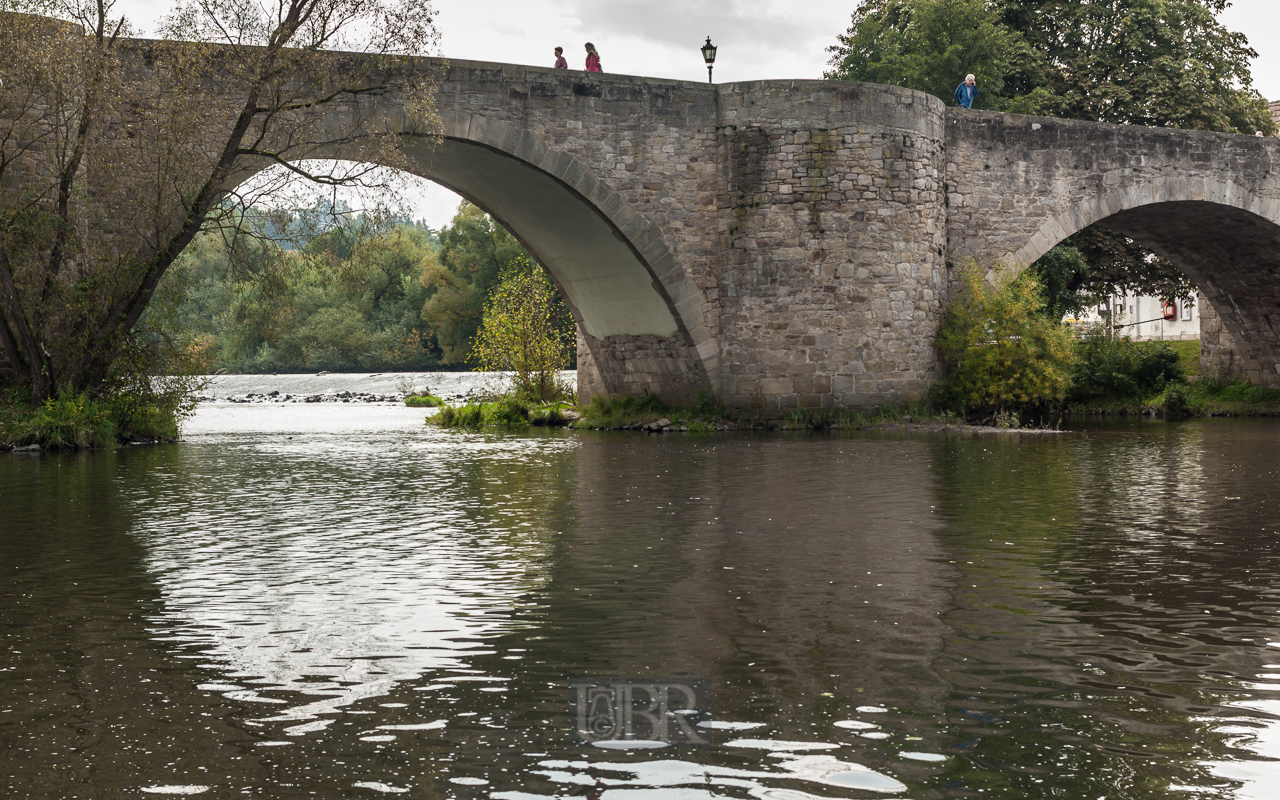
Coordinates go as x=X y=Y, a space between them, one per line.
x=783 y=244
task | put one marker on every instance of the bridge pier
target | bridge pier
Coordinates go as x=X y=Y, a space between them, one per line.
x=629 y=366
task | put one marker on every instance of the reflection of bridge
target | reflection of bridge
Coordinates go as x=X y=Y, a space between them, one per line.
x=787 y=243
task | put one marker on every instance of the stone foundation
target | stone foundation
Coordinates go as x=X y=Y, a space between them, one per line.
x=633 y=366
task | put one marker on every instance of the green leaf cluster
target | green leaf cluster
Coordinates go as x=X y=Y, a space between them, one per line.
x=474 y=253
x=1142 y=62
x=1116 y=367
x=527 y=331
x=930 y=45
x=351 y=294
x=999 y=349
x=347 y=300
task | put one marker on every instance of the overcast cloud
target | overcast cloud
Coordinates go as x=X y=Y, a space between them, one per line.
x=758 y=40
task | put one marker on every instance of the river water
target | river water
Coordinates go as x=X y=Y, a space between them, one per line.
x=334 y=600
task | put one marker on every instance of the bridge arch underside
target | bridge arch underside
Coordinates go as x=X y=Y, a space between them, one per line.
x=633 y=339
x=1233 y=256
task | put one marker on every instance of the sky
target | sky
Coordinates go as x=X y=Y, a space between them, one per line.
x=757 y=40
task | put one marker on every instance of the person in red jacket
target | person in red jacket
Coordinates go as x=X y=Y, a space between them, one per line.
x=593 y=59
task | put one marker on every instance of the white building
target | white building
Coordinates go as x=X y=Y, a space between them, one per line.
x=1144 y=319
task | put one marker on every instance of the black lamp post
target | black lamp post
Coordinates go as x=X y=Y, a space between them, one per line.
x=709 y=56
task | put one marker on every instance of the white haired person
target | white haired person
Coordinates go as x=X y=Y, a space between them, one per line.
x=593 y=59
x=967 y=92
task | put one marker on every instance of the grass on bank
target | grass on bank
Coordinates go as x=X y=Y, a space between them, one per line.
x=508 y=412
x=424 y=400
x=638 y=413
x=74 y=422
x=1120 y=377
x=633 y=413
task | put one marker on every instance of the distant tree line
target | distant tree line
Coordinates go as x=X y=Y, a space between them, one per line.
x=321 y=288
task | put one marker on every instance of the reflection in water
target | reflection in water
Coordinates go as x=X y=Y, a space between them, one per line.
x=341 y=603
x=308 y=599
x=1118 y=600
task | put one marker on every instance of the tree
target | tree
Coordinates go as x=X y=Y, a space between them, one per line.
x=474 y=253
x=348 y=300
x=1160 y=63
x=1141 y=62
x=930 y=45
x=115 y=153
x=524 y=332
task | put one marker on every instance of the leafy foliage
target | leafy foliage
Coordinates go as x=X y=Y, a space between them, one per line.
x=350 y=299
x=524 y=331
x=1117 y=367
x=423 y=401
x=931 y=45
x=67 y=422
x=474 y=253
x=1094 y=264
x=1000 y=350
x=1118 y=266
x=1140 y=62
x=1061 y=273
x=512 y=412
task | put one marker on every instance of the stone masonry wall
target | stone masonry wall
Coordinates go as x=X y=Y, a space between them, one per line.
x=1217 y=349
x=808 y=215
x=832 y=270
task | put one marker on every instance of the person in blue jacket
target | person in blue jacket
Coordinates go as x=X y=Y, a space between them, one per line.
x=967 y=92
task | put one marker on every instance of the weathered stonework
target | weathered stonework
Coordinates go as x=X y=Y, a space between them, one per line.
x=1209 y=202
x=785 y=244
x=786 y=238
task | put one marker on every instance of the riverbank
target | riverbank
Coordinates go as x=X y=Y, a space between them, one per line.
x=82 y=424
x=647 y=414
x=77 y=422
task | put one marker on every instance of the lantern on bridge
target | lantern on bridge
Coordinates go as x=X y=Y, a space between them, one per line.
x=709 y=56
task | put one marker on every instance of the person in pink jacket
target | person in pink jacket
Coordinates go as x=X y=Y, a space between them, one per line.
x=560 y=62
x=593 y=59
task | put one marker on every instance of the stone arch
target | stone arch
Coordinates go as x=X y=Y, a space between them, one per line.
x=1080 y=215
x=644 y=324
x=1223 y=236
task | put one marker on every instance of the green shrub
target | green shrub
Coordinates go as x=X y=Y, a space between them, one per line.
x=548 y=416
x=999 y=349
x=467 y=416
x=1176 y=399
x=423 y=401
x=1108 y=366
x=525 y=331
x=509 y=411
x=68 y=422
x=506 y=412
